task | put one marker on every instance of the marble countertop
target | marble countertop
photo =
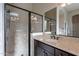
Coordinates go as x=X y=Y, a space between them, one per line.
x=64 y=43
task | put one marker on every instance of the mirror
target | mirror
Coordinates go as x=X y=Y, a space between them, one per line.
x=62 y=21
x=36 y=23
x=50 y=22
x=69 y=19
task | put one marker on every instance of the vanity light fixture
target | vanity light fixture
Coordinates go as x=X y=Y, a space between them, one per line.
x=69 y=3
x=34 y=18
x=65 y=4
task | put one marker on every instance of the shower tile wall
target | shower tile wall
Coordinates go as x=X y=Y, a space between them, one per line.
x=10 y=42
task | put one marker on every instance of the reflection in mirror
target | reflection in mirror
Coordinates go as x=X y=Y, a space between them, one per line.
x=36 y=23
x=62 y=21
x=69 y=14
x=50 y=21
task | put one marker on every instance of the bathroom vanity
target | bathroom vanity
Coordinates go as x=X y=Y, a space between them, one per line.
x=64 y=46
x=43 y=49
x=63 y=23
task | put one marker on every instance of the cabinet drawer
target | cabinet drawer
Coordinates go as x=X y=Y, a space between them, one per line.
x=47 y=48
x=60 y=53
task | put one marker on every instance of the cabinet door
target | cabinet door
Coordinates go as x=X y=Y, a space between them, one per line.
x=46 y=53
x=47 y=48
x=60 y=53
x=41 y=49
x=39 y=52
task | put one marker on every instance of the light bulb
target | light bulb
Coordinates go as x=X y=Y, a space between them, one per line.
x=63 y=5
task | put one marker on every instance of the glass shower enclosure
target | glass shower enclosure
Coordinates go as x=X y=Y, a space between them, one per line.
x=18 y=27
x=16 y=31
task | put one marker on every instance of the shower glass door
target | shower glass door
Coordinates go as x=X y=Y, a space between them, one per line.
x=16 y=21
x=36 y=23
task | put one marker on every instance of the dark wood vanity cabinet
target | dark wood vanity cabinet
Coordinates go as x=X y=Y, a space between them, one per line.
x=39 y=52
x=42 y=49
x=60 y=53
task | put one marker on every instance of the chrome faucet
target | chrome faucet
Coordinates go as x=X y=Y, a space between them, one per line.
x=54 y=37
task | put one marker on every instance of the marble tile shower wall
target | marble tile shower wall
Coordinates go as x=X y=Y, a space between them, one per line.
x=18 y=44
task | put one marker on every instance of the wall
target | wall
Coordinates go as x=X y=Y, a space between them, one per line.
x=1 y=29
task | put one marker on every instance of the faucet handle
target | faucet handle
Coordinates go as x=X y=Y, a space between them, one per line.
x=54 y=37
x=57 y=38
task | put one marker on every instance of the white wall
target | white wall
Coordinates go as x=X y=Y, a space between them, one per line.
x=1 y=29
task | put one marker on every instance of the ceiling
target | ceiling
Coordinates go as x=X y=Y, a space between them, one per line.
x=72 y=6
